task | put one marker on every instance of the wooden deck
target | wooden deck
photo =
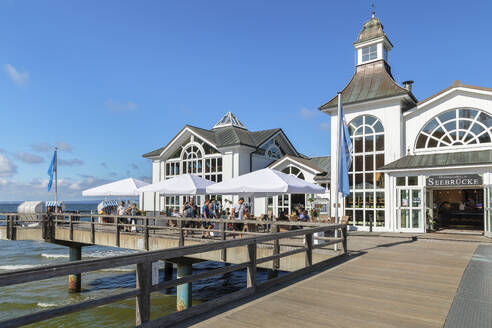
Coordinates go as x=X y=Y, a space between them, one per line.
x=395 y=282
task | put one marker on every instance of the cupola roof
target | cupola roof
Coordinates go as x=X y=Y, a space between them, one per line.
x=371 y=29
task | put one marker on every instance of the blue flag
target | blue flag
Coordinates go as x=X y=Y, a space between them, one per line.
x=345 y=159
x=52 y=170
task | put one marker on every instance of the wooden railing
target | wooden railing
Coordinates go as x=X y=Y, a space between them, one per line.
x=174 y=227
x=143 y=262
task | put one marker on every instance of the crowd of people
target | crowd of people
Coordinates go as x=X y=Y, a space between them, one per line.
x=128 y=209
x=211 y=209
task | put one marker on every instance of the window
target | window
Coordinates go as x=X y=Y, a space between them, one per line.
x=366 y=202
x=284 y=202
x=271 y=149
x=457 y=127
x=192 y=160
x=369 y=53
x=292 y=170
x=193 y=156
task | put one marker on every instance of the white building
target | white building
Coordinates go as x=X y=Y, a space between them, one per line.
x=413 y=160
x=228 y=150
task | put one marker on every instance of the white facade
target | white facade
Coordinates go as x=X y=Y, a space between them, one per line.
x=226 y=151
x=457 y=119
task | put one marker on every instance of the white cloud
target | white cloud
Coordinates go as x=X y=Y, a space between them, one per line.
x=42 y=147
x=307 y=114
x=19 y=78
x=64 y=146
x=325 y=126
x=29 y=158
x=37 y=189
x=70 y=162
x=120 y=107
x=7 y=168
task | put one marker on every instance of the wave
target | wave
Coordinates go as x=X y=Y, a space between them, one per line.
x=100 y=254
x=54 y=256
x=97 y=254
x=44 y=305
x=119 y=270
x=16 y=267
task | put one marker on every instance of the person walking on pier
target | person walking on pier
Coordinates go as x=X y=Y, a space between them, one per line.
x=238 y=212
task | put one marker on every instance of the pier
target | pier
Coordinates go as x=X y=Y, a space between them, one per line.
x=298 y=251
x=376 y=280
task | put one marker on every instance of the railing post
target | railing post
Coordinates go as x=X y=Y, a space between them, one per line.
x=181 y=233
x=93 y=231
x=146 y=233
x=117 y=231
x=276 y=247
x=344 y=234
x=251 y=270
x=144 y=283
x=308 y=243
x=223 y=237
x=71 y=226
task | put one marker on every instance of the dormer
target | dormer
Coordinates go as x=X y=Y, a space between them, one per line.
x=229 y=120
x=372 y=43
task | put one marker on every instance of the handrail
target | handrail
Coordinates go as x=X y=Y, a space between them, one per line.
x=144 y=262
x=149 y=225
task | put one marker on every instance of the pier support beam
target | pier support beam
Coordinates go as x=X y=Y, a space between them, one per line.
x=183 y=293
x=168 y=273
x=75 y=280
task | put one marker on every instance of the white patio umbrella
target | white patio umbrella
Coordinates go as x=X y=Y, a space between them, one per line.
x=186 y=184
x=126 y=187
x=264 y=183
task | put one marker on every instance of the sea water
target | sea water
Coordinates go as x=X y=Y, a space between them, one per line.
x=27 y=298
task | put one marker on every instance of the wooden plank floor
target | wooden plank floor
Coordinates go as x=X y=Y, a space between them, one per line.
x=395 y=283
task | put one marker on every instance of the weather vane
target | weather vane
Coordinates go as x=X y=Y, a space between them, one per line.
x=373 y=9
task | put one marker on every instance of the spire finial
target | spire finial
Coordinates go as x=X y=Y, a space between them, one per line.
x=373 y=10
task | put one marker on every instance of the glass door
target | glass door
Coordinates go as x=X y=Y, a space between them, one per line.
x=487 y=213
x=410 y=218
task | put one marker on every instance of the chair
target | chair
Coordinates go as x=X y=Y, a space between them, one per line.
x=345 y=219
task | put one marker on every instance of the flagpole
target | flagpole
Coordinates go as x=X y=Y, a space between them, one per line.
x=56 y=176
x=337 y=165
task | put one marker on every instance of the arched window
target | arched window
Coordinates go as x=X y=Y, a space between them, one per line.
x=192 y=160
x=456 y=127
x=292 y=170
x=366 y=200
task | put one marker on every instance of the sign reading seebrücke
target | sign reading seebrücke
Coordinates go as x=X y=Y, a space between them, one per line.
x=454 y=180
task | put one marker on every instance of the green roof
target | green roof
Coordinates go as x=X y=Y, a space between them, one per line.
x=371 y=81
x=466 y=158
x=224 y=137
x=321 y=164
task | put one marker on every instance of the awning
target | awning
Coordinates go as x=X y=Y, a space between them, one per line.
x=264 y=183
x=126 y=187
x=441 y=160
x=52 y=203
x=186 y=184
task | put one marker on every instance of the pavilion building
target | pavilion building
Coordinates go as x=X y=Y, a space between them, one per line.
x=228 y=150
x=415 y=163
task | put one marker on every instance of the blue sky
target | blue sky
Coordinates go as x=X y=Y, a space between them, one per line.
x=111 y=80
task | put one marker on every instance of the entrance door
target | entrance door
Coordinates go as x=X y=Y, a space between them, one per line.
x=487 y=217
x=410 y=213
